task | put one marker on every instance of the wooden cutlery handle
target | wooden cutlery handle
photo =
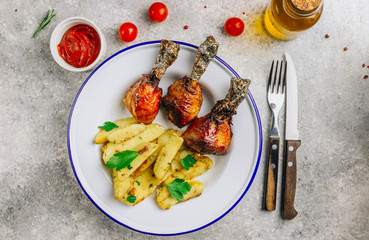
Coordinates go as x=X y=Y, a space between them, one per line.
x=289 y=179
x=270 y=189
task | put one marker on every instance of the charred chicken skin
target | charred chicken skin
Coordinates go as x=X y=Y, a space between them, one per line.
x=212 y=133
x=143 y=97
x=184 y=98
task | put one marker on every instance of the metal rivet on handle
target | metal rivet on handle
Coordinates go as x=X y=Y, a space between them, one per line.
x=274 y=147
x=290 y=164
x=290 y=148
x=272 y=165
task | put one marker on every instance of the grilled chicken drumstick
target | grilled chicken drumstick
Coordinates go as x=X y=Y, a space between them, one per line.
x=184 y=97
x=143 y=97
x=212 y=133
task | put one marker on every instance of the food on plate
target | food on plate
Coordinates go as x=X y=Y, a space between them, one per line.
x=184 y=98
x=179 y=170
x=127 y=32
x=150 y=157
x=158 y=12
x=80 y=46
x=234 y=26
x=150 y=133
x=212 y=133
x=101 y=137
x=165 y=157
x=143 y=97
x=166 y=201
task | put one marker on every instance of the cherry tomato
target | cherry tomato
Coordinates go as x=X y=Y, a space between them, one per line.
x=158 y=12
x=127 y=32
x=234 y=26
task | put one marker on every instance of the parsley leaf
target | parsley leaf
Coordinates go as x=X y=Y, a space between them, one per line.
x=188 y=161
x=131 y=199
x=121 y=160
x=178 y=188
x=108 y=126
x=138 y=183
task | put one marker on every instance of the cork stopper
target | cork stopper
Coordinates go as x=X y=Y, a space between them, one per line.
x=305 y=5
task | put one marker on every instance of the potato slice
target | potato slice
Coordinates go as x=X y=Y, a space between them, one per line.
x=202 y=165
x=166 y=201
x=176 y=163
x=161 y=141
x=122 y=134
x=151 y=132
x=166 y=155
x=147 y=185
x=120 y=187
x=144 y=150
x=101 y=137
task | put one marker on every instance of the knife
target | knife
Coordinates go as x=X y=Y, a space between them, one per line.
x=291 y=144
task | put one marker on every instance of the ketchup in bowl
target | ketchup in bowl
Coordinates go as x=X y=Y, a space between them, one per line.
x=80 y=46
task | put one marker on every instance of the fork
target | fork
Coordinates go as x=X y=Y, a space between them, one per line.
x=276 y=95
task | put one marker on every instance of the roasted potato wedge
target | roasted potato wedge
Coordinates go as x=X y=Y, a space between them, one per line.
x=161 y=141
x=202 y=165
x=101 y=137
x=166 y=155
x=144 y=150
x=166 y=201
x=122 y=134
x=151 y=132
x=121 y=187
x=147 y=185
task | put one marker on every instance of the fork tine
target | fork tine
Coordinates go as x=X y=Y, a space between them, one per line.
x=270 y=77
x=279 y=88
x=274 y=90
x=284 y=77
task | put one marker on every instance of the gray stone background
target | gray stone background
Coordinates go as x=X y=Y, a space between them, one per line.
x=39 y=195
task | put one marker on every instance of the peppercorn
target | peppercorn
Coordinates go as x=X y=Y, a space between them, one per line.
x=366 y=77
x=345 y=49
x=185 y=27
x=327 y=36
x=363 y=65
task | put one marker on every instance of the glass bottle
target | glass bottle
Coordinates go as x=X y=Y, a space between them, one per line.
x=286 y=19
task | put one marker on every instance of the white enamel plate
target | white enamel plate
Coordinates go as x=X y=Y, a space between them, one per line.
x=100 y=100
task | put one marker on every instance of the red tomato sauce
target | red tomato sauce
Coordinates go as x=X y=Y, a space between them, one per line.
x=80 y=46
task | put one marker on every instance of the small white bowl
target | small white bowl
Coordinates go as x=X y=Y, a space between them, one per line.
x=58 y=33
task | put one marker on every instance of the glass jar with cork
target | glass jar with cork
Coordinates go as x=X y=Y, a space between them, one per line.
x=286 y=19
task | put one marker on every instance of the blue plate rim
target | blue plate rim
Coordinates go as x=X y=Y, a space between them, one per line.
x=259 y=132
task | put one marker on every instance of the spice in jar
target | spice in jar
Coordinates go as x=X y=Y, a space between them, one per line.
x=286 y=19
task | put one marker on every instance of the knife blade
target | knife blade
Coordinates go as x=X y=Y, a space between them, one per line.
x=292 y=142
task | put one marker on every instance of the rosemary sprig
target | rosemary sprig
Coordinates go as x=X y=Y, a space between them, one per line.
x=45 y=21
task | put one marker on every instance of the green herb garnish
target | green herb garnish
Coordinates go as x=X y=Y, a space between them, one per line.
x=188 y=161
x=178 y=188
x=131 y=199
x=121 y=160
x=108 y=126
x=138 y=183
x=45 y=21
x=129 y=167
x=151 y=186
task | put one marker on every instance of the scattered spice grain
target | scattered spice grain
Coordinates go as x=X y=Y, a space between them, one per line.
x=327 y=36
x=366 y=77
x=345 y=49
x=185 y=27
